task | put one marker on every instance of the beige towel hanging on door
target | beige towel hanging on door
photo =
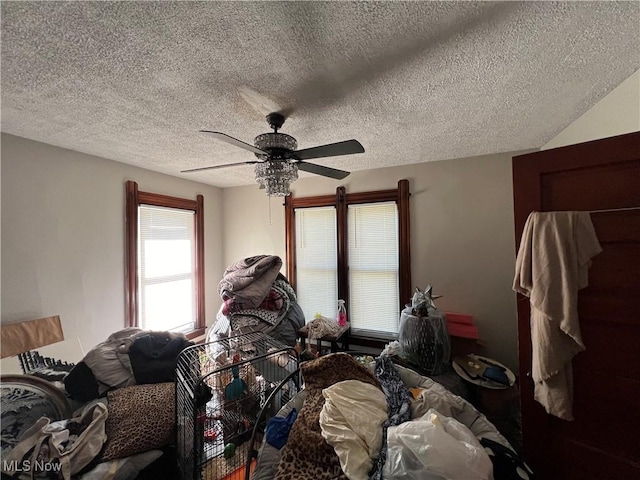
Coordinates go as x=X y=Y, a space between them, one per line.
x=552 y=265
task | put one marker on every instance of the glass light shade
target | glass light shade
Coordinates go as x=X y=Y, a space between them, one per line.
x=276 y=176
x=283 y=141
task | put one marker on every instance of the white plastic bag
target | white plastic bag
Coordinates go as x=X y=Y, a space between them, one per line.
x=435 y=447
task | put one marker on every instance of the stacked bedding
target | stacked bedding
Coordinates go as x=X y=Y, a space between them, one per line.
x=378 y=421
x=257 y=298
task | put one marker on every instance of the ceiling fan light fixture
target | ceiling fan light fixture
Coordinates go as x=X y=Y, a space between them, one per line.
x=279 y=160
x=274 y=140
x=276 y=176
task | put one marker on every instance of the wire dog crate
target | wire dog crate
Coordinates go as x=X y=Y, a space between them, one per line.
x=226 y=390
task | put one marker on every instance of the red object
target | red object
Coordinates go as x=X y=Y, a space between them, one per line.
x=239 y=473
x=342 y=313
x=461 y=325
x=459 y=318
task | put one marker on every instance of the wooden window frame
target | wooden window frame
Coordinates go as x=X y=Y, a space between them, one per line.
x=135 y=198
x=341 y=200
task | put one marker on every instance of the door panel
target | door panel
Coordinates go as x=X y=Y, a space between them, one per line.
x=575 y=461
x=602 y=442
x=581 y=188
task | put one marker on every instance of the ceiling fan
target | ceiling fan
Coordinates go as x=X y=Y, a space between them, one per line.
x=279 y=161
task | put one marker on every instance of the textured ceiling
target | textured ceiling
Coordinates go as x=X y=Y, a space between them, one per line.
x=413 y=82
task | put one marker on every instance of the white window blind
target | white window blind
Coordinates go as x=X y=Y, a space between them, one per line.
x=166 y=266
x=316 y=261
x=373 y=267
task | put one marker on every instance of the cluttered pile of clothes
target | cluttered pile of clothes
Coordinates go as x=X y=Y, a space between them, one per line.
x=130 y=356
x=258 y=298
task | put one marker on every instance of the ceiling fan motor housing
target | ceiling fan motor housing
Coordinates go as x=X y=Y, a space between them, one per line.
x=275 y=120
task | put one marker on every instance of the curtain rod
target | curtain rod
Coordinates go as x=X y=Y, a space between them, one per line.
x=622 y=209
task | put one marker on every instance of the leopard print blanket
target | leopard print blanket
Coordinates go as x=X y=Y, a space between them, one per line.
x=306 y=455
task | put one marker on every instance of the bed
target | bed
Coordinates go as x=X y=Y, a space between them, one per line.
x=307 y=453
x=120 y=444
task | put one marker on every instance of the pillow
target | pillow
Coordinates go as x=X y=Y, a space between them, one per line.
x=141 y=418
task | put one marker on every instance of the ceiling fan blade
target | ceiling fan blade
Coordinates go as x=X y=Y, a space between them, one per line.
x=234 y=141
x=260 y=103
x=200 y=169
x=322 y=170
x=347 y=147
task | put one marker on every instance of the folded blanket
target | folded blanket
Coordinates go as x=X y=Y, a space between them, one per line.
x=273 y=302
x=248 y=281
x=281 y=296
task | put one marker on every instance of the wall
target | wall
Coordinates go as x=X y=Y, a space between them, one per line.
x=461 y=219
x=63 y=237
x=616 y=114
x=462 y=234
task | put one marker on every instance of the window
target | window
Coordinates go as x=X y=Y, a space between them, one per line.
x=164 y=262
x=316 y=260
x=354 y=247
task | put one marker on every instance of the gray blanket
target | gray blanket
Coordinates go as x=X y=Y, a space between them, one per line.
x=248 y=281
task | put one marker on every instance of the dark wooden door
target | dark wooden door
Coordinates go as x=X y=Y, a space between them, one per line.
x=603 y=442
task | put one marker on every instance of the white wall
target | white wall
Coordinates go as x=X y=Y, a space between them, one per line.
x=462 y=234
x=63 y=236
x=63 y=228
x=616 y=114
